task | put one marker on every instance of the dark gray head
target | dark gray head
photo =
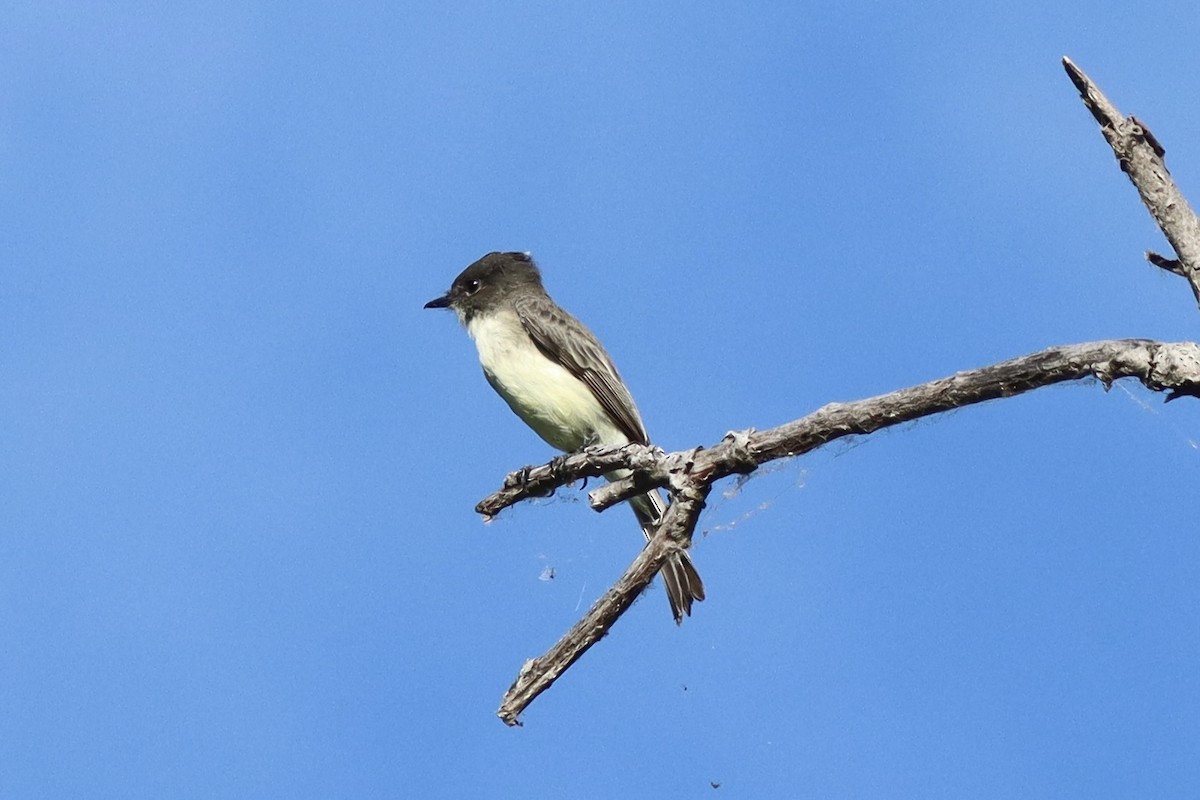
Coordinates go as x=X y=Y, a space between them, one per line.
x=487 y=282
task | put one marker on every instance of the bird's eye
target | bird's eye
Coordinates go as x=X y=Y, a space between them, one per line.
x=471 y=288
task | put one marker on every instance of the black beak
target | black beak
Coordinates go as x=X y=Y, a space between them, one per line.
x=440 y=302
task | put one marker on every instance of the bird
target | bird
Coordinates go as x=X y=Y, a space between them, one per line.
x=555 y=375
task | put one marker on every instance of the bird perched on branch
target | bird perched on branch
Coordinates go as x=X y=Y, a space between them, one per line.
x=556 y=376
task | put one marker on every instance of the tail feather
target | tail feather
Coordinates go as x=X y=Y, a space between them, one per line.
x=679 y=574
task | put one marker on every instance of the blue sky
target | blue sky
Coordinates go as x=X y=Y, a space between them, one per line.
x=238 y=460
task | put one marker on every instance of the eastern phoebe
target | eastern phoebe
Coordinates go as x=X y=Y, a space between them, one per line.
x=556 y=376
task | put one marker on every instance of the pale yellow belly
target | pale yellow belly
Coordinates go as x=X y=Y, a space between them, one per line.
x=558 y=406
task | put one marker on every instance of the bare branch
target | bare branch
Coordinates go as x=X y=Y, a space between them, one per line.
x=1141 y=158
x=690 y=474
x=541 y=481
x=537 y=675
x=1158 y=365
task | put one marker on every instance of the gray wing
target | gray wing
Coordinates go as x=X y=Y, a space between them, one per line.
x=566 y=341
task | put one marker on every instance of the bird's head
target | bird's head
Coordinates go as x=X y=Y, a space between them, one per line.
x=487 y=282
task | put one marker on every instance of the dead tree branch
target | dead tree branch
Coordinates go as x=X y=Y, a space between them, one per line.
x=1141 y=158
x=537 y=675
x=689 y=475
x=1160 y=366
